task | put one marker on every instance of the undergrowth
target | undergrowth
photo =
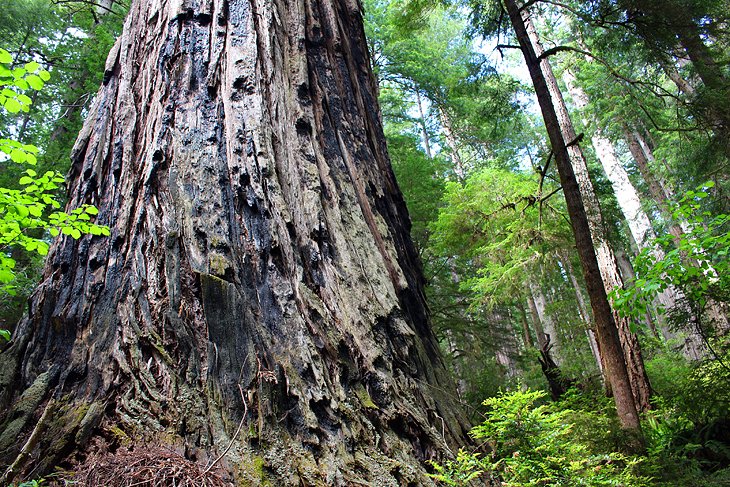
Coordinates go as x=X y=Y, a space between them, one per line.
x=526 y=440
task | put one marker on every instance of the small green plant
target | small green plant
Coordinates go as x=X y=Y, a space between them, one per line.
x=31 y=483
x=464 y=469
x=533 y=444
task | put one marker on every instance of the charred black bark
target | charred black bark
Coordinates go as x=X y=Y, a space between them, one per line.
x=260 y=270
x=557 y=382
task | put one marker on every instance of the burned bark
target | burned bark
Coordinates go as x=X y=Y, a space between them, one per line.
x=259 y=297
x=557 y=382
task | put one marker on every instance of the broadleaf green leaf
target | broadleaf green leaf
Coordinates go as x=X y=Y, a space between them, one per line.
x=34 y=81
x=12 y=105
x=32 y=66
x=18 y=156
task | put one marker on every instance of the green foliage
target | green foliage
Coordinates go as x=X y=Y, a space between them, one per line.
x=502 y=222
x=418 y=178
x=699 y=391
x=686 y=430
x=71 y=40
x=464 y=469
x=697 y=263
x=575 y=441
x=436 y=58
x=31 y=483
x=27 y=212
x=534 y=444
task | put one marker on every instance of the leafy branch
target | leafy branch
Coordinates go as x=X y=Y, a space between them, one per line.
x=30 y=213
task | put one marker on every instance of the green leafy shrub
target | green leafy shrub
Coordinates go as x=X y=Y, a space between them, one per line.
x=687 y=428
x=696 y=263
x=31 y=483
x=535 y=444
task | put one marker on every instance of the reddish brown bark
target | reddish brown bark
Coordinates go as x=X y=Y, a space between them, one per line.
x=606 y=330
x=603 y=249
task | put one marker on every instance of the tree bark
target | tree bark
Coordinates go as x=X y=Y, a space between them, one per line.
x=584 y=312
x=526 y=335
x=259 y=270
x=457 y=162
x=422 y=122
x=536 y=320
x=673 y=74
x=604 y=253
x=545 y=321
x=636 y=218
x=606 y=329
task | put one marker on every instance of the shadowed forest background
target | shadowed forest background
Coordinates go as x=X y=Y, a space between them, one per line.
x=639 y=93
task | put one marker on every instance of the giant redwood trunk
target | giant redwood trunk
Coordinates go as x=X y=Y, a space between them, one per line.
x=259 y=299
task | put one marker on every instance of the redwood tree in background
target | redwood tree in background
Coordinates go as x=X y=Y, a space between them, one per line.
x=607 y=332
x=259 y=297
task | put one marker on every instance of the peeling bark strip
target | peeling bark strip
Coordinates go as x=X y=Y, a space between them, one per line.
x=259 y=271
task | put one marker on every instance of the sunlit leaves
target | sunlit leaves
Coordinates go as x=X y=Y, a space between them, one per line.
x=535 y=444
x=30 y=212
x=15 y=81
x=695 y=263
x=503 y=225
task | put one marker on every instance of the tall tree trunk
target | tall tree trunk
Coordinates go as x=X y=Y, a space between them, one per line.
x=545 y=322
x=526 y=335
x=709 y=71
x=636 y=218
x=606 y=329
x=584 y=313
x=604 y=252
x=644 y=157
x=458 y=163
x=657 y=22
x=422 y=122
x=643 y=154
x=536 y=322
x=713 y=77
x=626 y=195
x=608 y=267
x=673 y=74
x=259 y=272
